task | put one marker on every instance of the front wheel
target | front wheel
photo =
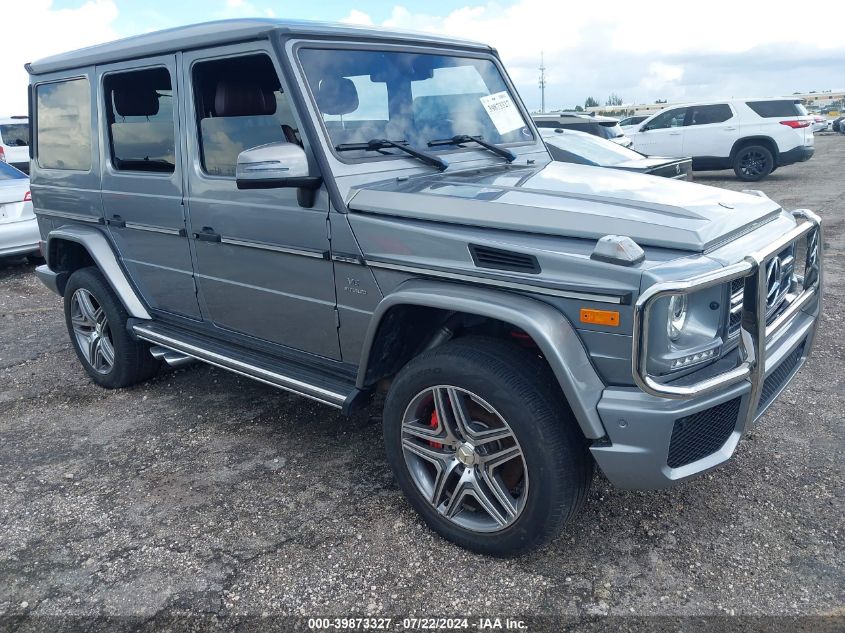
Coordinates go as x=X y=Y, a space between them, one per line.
x=96 y=322
x=753 y=162
x=483 y=445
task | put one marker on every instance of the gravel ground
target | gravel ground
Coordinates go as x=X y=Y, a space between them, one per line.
x=202 y=493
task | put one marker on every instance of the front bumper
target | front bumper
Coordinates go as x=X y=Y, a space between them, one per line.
x=19 y=238
x=666 y=432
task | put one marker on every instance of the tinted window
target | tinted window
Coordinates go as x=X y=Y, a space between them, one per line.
x=769 y=109
x=7 y=172
x=15 y=134
x=239 y=105
x=64 y=125
x=139 y=111
x=671 y=118
x=704 y=115
x=411 y=97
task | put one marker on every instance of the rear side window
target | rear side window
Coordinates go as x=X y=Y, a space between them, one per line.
x=771 y=109
x=139 y=113
x=15 y=134
x=7 y=172
x=239 y=105
x=704 y=115
x=63 y=126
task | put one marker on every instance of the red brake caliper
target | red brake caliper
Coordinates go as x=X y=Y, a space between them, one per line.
x=434 y=423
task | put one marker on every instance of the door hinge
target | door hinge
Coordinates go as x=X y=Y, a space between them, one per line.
x=336 y=318
x=328 y=229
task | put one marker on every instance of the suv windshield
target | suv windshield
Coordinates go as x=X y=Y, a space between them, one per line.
x=410 y=98
x=15 y=134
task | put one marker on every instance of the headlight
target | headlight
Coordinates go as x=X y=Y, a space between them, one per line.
x=678 y=305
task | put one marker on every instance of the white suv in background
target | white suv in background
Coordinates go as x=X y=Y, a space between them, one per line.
x=14 y=142
x=751 y=136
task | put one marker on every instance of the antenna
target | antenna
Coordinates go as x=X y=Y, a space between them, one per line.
x=542 y=83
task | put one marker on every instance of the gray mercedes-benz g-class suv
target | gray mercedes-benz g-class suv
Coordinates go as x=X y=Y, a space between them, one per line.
x=336 y=211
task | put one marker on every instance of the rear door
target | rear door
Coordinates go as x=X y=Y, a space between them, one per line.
x=663 y=135
x=142 y=180
x=710 y=131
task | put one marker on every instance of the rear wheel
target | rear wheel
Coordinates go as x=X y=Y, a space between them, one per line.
x=96 y=322
x=484 y=446
x=753 y=162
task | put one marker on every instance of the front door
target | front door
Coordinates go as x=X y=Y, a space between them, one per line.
x=261 y=261
x=142 y=180
x=663 y=135
x=710 y=131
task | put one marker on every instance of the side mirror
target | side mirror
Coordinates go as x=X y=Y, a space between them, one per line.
x=277 y=165
x=645 y=128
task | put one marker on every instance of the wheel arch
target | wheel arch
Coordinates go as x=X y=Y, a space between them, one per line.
x=70 y=248
x=550 y=330
x=768 y=141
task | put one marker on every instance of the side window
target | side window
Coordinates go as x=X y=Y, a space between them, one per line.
x=139 y=115
x=239 y=105
x=63 y=125
x=672 y=118
x=704 y=115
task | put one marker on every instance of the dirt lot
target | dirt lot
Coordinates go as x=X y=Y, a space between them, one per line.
x=205 y=493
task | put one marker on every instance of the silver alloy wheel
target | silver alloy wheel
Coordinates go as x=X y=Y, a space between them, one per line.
x=464 y=458
x=92 y=332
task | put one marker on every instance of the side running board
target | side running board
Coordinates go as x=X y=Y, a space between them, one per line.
x=304 y=381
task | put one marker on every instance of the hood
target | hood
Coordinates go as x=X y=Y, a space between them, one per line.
x=573 y=201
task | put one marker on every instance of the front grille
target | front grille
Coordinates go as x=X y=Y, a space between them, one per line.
x=701 y=434
x=773 y=383
x=780 y=271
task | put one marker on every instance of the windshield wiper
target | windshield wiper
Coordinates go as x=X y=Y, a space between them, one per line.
x=376 y=144
x=460 y=139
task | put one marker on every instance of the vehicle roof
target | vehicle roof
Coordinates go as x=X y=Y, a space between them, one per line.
x=224 y=32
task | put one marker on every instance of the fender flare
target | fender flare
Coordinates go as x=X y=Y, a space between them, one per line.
x=747 y=140
x=98 y=246
x=550 y=330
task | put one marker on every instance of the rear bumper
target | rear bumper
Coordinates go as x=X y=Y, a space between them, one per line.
x=19 y=238
x=49 y=278
x=798 y=154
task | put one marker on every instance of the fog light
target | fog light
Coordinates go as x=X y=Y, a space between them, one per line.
x=693 y=359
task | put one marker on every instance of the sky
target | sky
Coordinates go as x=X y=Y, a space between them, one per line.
x=639 y=51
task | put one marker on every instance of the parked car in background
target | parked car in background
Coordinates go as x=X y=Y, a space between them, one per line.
x=601 y=126
x=570 y=146
x=819 y=123
x=14 y=142
x=631 y=122
x=19 y=233
x=751 y=136
x=836 y=125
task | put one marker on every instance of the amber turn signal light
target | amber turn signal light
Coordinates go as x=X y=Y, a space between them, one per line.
x=600 y=317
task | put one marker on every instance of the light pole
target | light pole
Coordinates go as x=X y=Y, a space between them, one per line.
x=542 y=84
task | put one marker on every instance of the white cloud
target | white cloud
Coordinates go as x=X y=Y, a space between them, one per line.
x=660 y=52
x=357 y=17
x=48 y=31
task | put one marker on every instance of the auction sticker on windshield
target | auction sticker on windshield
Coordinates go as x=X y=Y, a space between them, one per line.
x=502 y=112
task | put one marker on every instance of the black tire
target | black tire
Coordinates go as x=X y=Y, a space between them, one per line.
x=132 y=361
x=753 y=163
x=35 y=260
x=522 y=389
